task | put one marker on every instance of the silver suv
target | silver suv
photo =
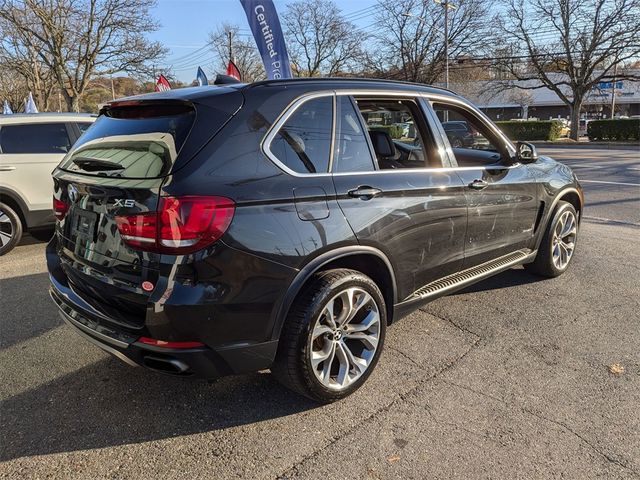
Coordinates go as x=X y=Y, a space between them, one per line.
x=31 y=146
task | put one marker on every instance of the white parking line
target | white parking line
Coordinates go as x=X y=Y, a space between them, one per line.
x=611 y=183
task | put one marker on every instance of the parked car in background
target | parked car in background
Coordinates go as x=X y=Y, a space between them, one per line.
x=31 y=146
x=460 y=134
x=219 y=230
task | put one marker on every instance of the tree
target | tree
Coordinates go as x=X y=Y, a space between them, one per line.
x=78 y=39
x=245 y=53
x=319 y=40
x=569 y=46
x=29 y=72
x=410 y=42
x=522 y=98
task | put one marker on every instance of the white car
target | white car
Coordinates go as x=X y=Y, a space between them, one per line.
x=31 y=146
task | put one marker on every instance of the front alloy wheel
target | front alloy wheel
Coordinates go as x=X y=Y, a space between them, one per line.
x=558 y=243
x=564 y=239
x=333 y=336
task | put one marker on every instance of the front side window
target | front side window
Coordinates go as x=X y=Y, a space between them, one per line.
x=303 y=143
x=35 y=138
x=472 y=142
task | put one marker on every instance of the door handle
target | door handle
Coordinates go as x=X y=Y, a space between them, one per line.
x=7 y=168
x=364 y=192
x=478 y=184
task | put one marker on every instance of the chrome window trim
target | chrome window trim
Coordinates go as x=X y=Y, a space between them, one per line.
x=364 y=93
x=265 y=145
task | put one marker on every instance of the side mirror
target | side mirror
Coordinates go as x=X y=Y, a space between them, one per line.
x=526 y=152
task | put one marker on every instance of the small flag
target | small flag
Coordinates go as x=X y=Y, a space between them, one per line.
x=162 y=85
x=30 y=105
x=233 y=71
x=6 y=109
x=202 y=78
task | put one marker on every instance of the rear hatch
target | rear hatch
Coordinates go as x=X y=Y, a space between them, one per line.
x=112 y=179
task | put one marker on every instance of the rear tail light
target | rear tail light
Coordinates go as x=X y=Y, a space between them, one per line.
x=60 y=208
x=181 y=225
x=166 y=344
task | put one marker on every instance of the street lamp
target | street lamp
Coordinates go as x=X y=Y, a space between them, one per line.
x=447 y=5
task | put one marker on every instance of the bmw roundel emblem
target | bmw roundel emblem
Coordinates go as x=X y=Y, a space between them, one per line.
x=73 y=193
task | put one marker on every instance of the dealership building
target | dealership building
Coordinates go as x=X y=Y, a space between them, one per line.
x=544 y=104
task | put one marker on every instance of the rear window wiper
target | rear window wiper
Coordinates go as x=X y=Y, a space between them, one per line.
x=95 y=164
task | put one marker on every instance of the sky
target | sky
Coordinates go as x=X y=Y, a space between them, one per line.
x=185 y=26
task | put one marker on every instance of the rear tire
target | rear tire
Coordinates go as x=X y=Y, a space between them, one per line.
x=333 y=336
x=10 y=228
x=558 y=243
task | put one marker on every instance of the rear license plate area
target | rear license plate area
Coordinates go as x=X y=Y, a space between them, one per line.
x=84 y=225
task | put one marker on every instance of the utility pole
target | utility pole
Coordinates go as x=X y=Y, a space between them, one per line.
x=113 y=90
x=230 y=36
x=613 y=91
x=446 y=44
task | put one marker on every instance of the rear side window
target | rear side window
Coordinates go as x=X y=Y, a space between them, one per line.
x=352 y=152
x=35 y=138
x=132 y=142
x=303 y=143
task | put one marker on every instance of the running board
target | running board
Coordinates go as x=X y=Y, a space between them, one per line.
x=466 y=277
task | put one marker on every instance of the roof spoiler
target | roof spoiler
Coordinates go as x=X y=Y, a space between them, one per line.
x=225 y=80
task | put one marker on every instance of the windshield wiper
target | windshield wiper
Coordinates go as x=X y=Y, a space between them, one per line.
x=95 y=164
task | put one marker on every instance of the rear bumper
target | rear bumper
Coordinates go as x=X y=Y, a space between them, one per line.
x=201 y=362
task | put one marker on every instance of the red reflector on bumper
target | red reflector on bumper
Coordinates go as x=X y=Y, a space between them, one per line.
x=164 y=344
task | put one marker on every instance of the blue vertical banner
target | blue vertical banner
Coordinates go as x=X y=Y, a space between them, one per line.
x=265 y=25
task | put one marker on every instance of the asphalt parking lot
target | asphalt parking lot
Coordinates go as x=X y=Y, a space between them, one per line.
x=516 y=377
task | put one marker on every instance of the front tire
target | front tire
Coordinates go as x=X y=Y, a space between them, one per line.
x=332 y=337
x=558 y=243
x=10 y=229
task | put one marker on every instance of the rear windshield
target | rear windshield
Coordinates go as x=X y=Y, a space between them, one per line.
x=132 y=142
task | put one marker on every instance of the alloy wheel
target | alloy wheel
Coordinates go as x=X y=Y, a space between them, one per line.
x=564 y=240
x=7 y=230
x=345 y=338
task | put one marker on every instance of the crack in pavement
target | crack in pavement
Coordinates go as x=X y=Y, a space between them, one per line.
x=402 y=397
x=624 y=464
x=448 y=320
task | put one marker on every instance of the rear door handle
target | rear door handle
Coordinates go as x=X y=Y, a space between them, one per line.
x=7 y=168
x=364 y=192
x=478 y=184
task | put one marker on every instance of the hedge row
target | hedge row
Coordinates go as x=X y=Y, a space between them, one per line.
x=621 y=129
x=531 y=130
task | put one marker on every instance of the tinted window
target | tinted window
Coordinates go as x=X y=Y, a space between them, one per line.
x=399 y=140
x=472 y=142
x=352 y=152
x=35 y=138
x=83 y=127
x=132 y=142
x=304 y=142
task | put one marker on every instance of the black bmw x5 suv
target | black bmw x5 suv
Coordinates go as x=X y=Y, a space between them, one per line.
x=285 y=224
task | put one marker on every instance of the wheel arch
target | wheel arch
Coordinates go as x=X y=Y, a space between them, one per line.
x=13 y=200
x=570 y=194
x=368 y=260
x=574 y=198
